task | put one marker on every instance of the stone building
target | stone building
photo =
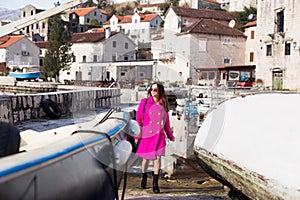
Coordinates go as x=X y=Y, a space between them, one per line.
x=194 y=43
x=278 y=46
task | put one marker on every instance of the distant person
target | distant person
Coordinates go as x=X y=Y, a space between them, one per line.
x=152 y=115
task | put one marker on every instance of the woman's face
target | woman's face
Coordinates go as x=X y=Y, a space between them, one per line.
x=154 y=91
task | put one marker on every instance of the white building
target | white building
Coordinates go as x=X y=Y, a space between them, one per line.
x=153 y=8
x=278 y=57
x=237 y=5
x=138 y=27
x=194 y=40
x=94 y=52
x=40 y=27
x=251 y=43
x=142 y=2
x=18 y=50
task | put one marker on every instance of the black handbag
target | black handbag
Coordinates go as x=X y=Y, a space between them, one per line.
x=131 y=139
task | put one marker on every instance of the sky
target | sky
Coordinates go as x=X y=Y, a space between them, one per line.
x=39 y=4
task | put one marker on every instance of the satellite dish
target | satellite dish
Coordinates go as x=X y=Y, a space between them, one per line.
x=231 y=24
x=250 y=17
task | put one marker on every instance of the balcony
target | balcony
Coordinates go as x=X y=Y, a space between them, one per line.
x=167 y=56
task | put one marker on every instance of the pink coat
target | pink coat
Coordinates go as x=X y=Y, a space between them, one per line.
x=155 y=125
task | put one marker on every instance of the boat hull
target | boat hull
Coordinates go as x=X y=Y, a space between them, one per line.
x=80 y=166
x=250 y=143
x=79 y=176
x=25 y=75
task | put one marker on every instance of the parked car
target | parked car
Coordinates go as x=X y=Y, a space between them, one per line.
x=247 y=82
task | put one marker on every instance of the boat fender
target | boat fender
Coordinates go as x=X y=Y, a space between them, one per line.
x=9 y=139
x=51 y=108
x=122 y=152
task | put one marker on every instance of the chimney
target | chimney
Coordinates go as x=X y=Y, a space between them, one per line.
x=107 y=33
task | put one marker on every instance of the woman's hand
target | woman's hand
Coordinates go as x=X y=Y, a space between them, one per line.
x=136 y=141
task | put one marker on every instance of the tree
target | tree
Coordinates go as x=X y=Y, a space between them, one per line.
x=89 y=3
x=58 y=55
x=243 y=17
x=94 y=24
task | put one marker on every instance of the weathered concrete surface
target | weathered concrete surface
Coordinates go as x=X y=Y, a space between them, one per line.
x=189 y=182
x=15 y=108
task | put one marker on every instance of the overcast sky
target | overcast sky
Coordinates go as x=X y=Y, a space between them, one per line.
x=40 y=4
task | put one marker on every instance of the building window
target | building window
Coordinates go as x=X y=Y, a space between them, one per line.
x=269 y=50
x=24 y=14
x=252 y=35
x=95 y=13
x=84 y=59
x=287 y=49
x=88 y=20
x=226 y=40
x=37 y=26
x=114 y=44
x=226 y=60
x=73 y=58
x=32 y=12
x=185 y=22
x=203 y=76
x=280 y=21
x=251 y=59
x=125 y=57
x=202 y=46
x=114 y=58
x=95 y=58
x=43 y=25
x=126 y=45
x=211 y=75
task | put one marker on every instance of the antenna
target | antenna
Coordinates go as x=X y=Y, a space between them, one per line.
x=231 y=24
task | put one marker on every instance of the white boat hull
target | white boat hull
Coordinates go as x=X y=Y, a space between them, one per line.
x=252 y=144
x=57 y=164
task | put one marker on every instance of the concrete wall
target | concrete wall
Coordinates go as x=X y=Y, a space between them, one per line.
x=21 y=107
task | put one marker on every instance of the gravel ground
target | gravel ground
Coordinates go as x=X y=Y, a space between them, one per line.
x=189 y=182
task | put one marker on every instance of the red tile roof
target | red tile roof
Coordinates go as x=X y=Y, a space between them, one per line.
x=213 y=1
x=94 y=30
x=249 y=24
x=41 y=44
x=85 y=11
x=6 y=41
x=128 y=18
x=147 y=17
x=211 y=26
x=202 y=13
x=89 y=37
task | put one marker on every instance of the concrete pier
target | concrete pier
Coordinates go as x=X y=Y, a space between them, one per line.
x=16 y=108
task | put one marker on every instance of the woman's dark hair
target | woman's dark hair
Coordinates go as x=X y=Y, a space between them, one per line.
x=161 y=95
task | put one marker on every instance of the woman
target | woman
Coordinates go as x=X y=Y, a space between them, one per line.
x=152 y=116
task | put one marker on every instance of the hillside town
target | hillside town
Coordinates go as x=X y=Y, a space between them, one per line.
x=173 y=99
x=194 y=42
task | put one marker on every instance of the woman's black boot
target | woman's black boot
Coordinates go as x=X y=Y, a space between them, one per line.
x=155 y=183
x=144 y=181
